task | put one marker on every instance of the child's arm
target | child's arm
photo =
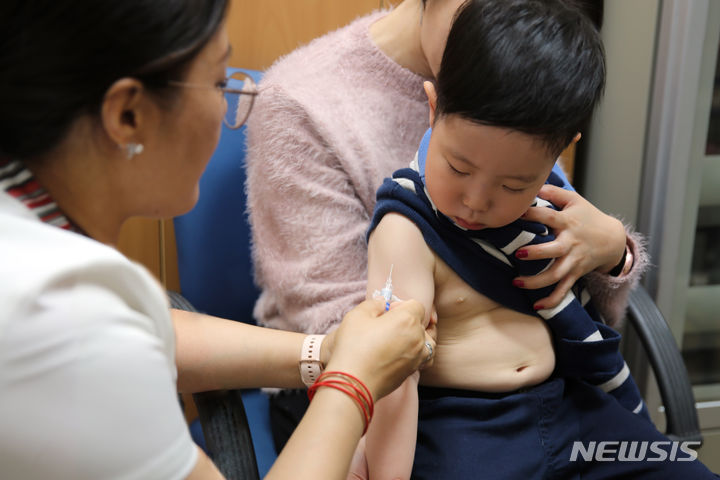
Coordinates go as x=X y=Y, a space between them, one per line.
x=390 y=442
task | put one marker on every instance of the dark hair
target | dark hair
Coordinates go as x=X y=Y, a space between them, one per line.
x=535 y=66
x=594 y=9
x=58 y=58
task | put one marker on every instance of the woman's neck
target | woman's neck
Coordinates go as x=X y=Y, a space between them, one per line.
x=82 y=192
x=398 y=36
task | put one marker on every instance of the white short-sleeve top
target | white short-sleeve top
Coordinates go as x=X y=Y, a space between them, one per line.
x=87 y=370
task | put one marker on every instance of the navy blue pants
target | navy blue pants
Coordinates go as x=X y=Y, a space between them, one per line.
x=531 y=435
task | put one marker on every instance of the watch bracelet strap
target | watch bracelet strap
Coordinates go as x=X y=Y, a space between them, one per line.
x=310 y=365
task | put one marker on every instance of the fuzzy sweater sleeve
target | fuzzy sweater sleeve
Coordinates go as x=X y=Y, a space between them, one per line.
x=308 y=226
x=611 y=293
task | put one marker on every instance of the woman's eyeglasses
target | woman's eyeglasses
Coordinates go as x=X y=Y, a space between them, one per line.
x=239 y=90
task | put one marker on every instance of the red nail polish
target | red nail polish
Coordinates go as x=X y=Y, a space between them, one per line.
x=521 y=253
x=518 y=283
x=538 y=307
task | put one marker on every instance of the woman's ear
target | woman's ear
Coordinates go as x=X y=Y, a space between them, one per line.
x=432 y=99
x=577 y=138
x=121 y=112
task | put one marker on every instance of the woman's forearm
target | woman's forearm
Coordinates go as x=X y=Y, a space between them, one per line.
x=214 y=353
x=381 y=348
x=323 y=444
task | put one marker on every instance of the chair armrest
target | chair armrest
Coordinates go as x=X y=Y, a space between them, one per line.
x=224 y=423
x=667 y=364
x=227 y=433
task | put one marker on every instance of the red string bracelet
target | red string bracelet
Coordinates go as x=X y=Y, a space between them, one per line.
x=366 y=404
x=361 y=396
x=357 y=395
x=337 y=386
x=364 y=393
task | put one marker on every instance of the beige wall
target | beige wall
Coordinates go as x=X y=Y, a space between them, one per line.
x=263 y=30
x=616 y=140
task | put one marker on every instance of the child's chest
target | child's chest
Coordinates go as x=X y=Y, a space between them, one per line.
x=454 y=298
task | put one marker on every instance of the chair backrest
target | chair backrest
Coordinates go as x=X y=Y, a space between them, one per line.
x=213 y=240
x=672 y=377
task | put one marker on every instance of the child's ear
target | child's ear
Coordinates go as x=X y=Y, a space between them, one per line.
x=432 y=99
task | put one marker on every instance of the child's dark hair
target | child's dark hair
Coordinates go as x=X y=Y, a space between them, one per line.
x=59 y=57
x=594 y=9
x=535 y=66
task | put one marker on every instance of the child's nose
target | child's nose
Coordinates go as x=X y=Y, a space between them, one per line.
x=477 y=201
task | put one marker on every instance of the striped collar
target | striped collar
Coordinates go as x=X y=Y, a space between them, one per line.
x=19 y=182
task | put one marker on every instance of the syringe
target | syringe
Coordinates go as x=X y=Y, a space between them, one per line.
x=386 y=292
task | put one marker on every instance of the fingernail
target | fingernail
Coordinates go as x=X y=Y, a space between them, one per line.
x=538 y=307
x=521 y=253
x=518 y=283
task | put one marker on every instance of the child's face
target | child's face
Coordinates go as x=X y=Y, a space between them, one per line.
x=482 y=176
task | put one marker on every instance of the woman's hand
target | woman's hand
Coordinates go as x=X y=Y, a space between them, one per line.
x=381 y=348
x=586 y=239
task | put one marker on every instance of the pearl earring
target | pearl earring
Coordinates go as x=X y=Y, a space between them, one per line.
x=132 y=149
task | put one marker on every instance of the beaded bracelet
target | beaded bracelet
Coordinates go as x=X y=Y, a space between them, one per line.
x=349 y=385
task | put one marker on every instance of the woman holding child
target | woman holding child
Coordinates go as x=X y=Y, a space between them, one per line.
x=493 y=403
x=335 y=118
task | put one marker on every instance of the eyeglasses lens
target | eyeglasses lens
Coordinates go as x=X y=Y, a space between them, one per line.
x=238 y=104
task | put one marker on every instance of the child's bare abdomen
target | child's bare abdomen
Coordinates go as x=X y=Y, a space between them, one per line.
x=482 y=345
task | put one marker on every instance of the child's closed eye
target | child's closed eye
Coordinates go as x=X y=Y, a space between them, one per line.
x=455 y=169
x=514 y=190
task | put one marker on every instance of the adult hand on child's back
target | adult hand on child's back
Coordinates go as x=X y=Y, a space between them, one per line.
x=381 y=348
x=586 y=239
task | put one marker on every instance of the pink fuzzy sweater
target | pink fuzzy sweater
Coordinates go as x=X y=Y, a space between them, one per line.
x=332 y=120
